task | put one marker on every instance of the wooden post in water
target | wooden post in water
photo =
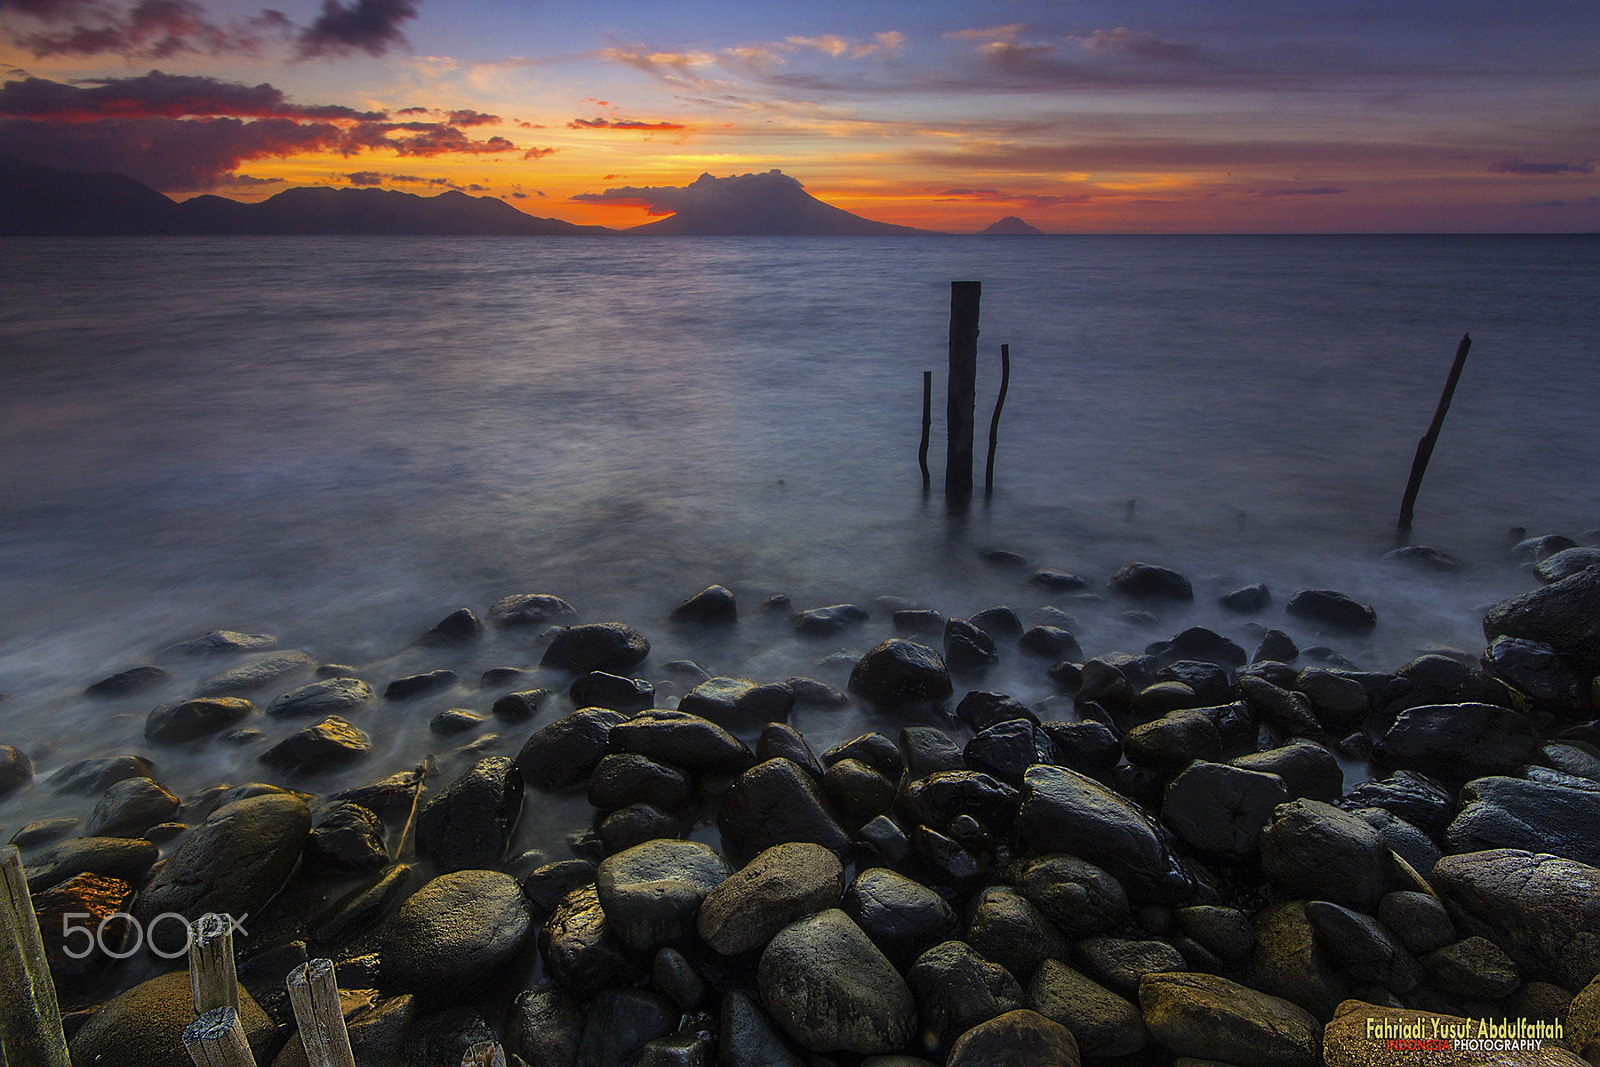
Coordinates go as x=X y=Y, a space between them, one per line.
x=212 y=977
x=927 y=426
x=964 y=298
x=314 y=995
x=994 y=423
x=30 y=1017
x=1419 y=465
x=216 y=1039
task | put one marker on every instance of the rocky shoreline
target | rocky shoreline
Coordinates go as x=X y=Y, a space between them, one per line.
x=1159 y=865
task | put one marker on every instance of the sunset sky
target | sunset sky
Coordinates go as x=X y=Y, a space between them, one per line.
x=1106 y=115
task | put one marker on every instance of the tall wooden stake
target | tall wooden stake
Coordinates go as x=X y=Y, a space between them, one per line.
x=994 y=423
x=30 y=1018
x=212 y=977
x=964 y=297
x=927 y=426
x=216 y=1039
x=314 y=995
x=1419 y=465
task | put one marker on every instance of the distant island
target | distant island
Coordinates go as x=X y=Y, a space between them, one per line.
x=39 y=200
x=1010 y=226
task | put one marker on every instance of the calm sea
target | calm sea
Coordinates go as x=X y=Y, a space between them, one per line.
x=338 y=441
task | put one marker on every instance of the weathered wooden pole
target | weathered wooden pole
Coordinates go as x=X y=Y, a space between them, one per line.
x=1419 y=465
x=212 y=977
x=927 y=427
x=216 y=1039
x=994 y=423
x=964 y=298
x=30 y=1017
x=314 y=995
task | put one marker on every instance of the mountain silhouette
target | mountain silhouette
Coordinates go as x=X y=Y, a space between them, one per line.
x=44 y=200
x=1010 y=226
x=770 y=204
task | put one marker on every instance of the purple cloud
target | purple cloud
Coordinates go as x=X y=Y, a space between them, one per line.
x=371 y=26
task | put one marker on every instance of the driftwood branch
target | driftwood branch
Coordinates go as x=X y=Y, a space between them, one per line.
x=1419 y=465
x=927 y=426
x=994 y=423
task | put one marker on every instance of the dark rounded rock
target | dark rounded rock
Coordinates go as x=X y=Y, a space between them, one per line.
x=712 y=606
x=633 y=825
x=43 y=831
x=454 y=721
x=1004 y=926
x=650 y=892
x=773 y=803
x=831 y=990
x=902 y=917
x=460 y=627
x=1535 y=669
x=1062 y=811
x=96 y=775
x=939 y=799
x=1007 y=749
x=1566 y=563
x=1199 y=643
x=919 y=622
x=1289 y=711
x=546 y=886
x=451 y=938
x=597 y=689
x=221 y=643
x=833 y=619
x=1458 y=742
x=521 y=705
x=565 y=751
x=582 y=950
x=257 y=671
x=348 y=837
x=1334 y=610
x=1363 y=947
x=967 y=649
x=817 y=694
x=1000 y=623
x=856 y=792
x=784 y=883
x=143 y=1026
x=128 y=682
x=1276 y=647
x=1474 y=967
x=16 y=770
x=739 y=703
x=613 y=647
x=1212 y=1018
x=955 y=989
x=1500 y=812
x=1541 y=909
x=125 y=859
x=500 y=677
x=1247 y=599
x=929 y=750
x=419 y=685
x=131 y=807
x=1146 y=581
x=1224 y=931
x=1220 y=809
x=544 y=1026
x=1088 y=747
x=1419 y=920
x=747 y=1036
x=624 y=778
x=981 y=710
x=1412 y=797
x=1173 y=740
x=1050 y=642
x=231 y=864
x=1021 y=1038
x=1059 y=581
x=1103 y=1023
x=681 y=739
x=897 y=672
x=529 y=609
x=1564 y=615
x=1289 y=961
x=1314 y=850
x=1408 y=843
x=324 y=744
x=619 y=1023
x=1425 y=558
x=469 y=823
x=779 y=740
x=187 y=720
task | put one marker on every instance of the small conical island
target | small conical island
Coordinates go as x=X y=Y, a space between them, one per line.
x=1010 y=226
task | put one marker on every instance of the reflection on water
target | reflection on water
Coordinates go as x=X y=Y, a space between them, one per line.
x=340 y=440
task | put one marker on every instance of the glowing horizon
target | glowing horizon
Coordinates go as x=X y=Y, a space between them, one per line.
x=1143 y=117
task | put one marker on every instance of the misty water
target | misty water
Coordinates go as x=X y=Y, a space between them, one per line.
x=338 y=441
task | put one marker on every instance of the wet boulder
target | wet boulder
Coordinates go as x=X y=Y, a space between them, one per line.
x=1007 y=749
x=16 y=770
x=613 y=647
x=1213 y=1018
x=1498 y=813
x=597 y=689
x=460 y=627
x=529 y=609
x=773 y=803
x=347 y=837
x=1006 y=927
x=1104 y=1024
x=828 y=621
x=1566 y=563
x=143 y=1026
x=415 y=686
x=324 y=744
x=1146 y=581
x=650 y=892
x=1062 y=811
x=784 y=883
x=123 y=858
x=232 y=864
x=1458 y=742
x=1173 y=740
x=956 y=989
x=939 y=799
x=455 y=935
x=1220 y=809
x=1412 y=797
x=1564 y=615
x=738 y=703
x=257 y=671
x=898 y=672
x=128 y=682
x=1247 y=599
x=582 y=950
x=1364 y=947
x=624 y=778
x=1079 y=898
x=831 y=990
x=904 y=918
x=187 y=720
x=1021 y=1038
x=967 y=649
x=92 y=776
x=469 y=822
x=1331 y=609
x=564 y=752
x=1534 y=668
x=680 y=739
x=712 y=606
x=1314 y=850
x=131 y=807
